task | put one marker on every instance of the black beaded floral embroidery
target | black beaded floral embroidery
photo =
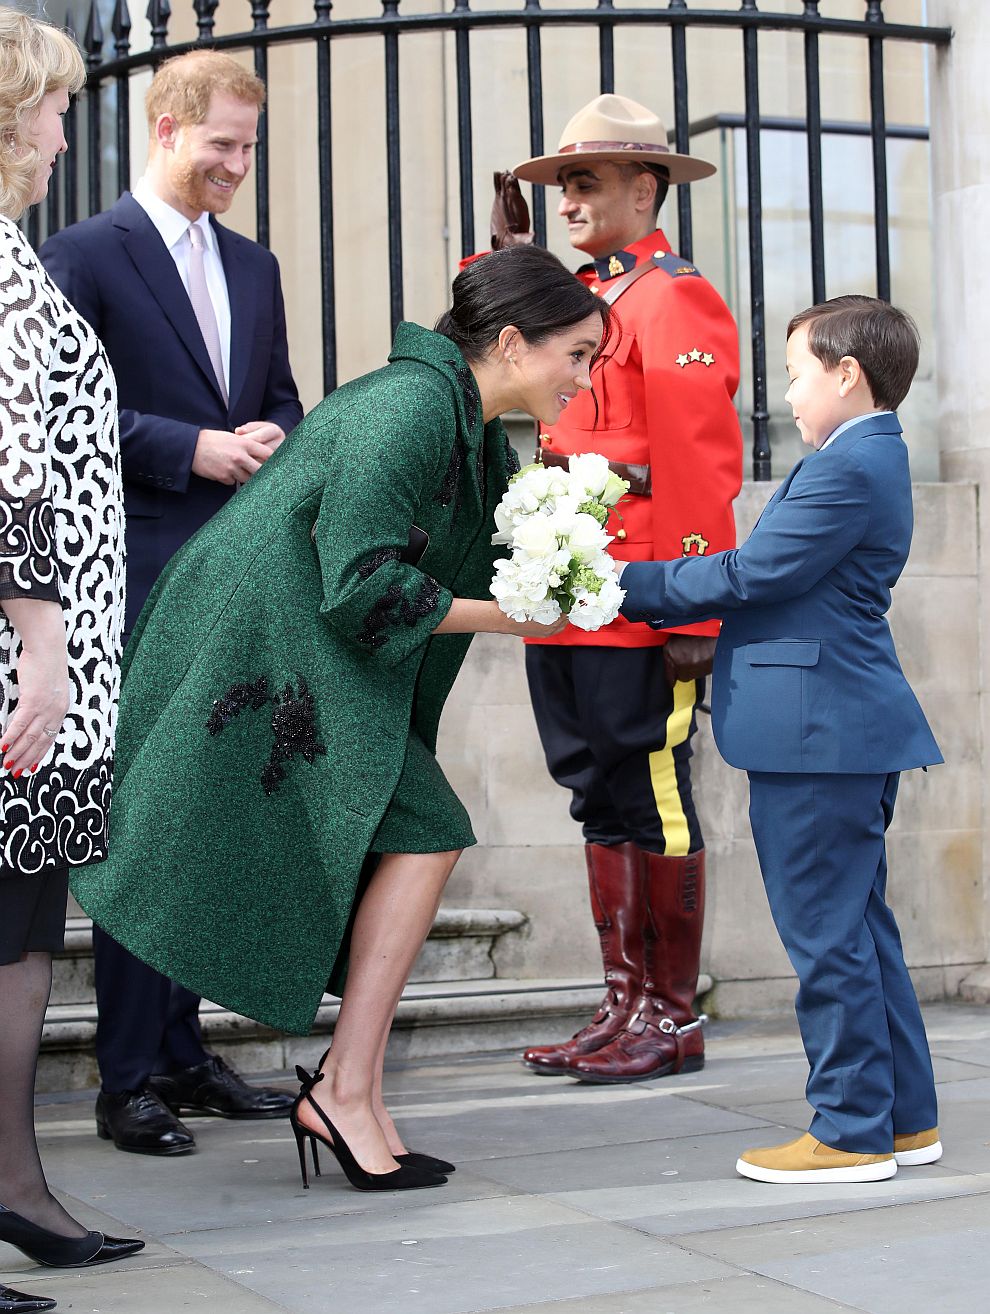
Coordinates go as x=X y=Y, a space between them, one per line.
x=293 y=723
x=377 y=560
x=512 y=466
x=392 y=608
x=234 y=701
x=294 y=728
x=450 y=484
x=469 y=391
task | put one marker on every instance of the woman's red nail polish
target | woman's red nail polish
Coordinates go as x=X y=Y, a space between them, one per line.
x=35 y=767
x=4 y=747
x=7 y=766
x=18 y=772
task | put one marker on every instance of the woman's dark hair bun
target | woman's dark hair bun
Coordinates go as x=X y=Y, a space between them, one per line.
x=523 y=285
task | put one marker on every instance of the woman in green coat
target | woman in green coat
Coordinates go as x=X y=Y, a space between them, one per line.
x=279 y=814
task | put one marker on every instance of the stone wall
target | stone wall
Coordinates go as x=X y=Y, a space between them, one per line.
x=529 y=854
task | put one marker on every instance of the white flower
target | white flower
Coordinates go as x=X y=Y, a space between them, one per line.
x=589 y=472
x=536 y=536
x=613 y=490
x=587 y=539
x=591 y=611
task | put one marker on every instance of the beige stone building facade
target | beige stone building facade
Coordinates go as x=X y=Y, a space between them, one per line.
x=529 y=857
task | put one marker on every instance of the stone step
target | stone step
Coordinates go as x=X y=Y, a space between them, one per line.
x=434 y=1019
x=459 y=948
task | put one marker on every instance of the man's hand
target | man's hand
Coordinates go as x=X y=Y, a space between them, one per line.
x=263 y=431
x=232 y=458
x=688 y=657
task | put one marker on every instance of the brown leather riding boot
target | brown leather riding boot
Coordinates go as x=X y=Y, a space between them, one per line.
x=663 y=1035
x=615 y=883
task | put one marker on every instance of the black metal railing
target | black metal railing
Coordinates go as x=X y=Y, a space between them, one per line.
x=110 y=71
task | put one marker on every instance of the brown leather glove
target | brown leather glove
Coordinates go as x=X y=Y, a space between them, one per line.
x=688 y=657
x=510 y=214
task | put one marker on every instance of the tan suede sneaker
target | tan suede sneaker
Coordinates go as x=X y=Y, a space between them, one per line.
x=921 y=1147
x=808 y=1160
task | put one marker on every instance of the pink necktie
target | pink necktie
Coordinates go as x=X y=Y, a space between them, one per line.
x=202 y=304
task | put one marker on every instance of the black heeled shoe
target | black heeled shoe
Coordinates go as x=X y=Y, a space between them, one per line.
x=19 y=1302
x=428 y=1161
x=412 y=1158
x=404 y=1178
x=56 y=1251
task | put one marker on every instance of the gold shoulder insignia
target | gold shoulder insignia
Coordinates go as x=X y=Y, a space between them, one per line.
x=694 y=540
x=615 y=266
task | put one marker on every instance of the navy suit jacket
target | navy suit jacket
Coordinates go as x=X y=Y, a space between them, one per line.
x=806 y=678
x=118 y=273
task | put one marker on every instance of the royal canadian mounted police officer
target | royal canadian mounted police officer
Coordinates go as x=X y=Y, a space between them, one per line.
x=616 y=709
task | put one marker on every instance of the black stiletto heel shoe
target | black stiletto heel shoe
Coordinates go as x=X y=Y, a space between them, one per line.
x=411 y=1158
x=19 y=1302
x=56 y=1251
x=404 y=1178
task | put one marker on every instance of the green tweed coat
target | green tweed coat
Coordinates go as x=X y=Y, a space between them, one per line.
x=276 y=675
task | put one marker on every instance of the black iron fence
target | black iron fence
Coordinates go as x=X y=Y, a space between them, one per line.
x=78 y=189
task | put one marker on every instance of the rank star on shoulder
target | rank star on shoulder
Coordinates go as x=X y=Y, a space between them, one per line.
x=707 y=358
x=682 y=359
x=694 y=353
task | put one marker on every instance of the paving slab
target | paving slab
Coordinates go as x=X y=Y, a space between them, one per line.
x=734 y=1295
x=448 y=1260
x=582 y=1199
x=910 y=1260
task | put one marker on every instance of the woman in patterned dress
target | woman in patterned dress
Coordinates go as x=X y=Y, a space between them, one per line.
x=61 y=598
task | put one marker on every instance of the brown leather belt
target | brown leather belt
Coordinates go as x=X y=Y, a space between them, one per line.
x=637 y=476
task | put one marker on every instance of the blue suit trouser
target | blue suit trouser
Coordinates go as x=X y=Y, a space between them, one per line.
x=820 y=840
x=146 y=1023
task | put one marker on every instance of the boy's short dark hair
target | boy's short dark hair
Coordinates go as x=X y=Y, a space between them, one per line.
x=882 y=338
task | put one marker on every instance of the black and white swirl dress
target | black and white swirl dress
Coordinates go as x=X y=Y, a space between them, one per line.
x=62 y=540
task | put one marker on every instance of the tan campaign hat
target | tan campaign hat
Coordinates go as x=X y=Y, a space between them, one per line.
x=618 y=129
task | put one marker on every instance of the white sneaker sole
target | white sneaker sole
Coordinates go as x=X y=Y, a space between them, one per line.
x=869 y=1172
x=911 y=1158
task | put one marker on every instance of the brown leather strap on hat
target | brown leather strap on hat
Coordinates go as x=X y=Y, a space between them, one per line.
x=637 y=476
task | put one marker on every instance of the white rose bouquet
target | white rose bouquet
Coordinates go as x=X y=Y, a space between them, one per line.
x=554 y=521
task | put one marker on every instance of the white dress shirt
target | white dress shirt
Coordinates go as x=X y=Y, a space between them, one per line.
x=173 y=228
x=847 y=424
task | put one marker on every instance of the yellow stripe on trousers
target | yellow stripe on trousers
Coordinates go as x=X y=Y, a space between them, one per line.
x=663 y=772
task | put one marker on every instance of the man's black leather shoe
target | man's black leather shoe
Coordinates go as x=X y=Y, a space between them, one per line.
x=215 y=1089
x=138 y=1121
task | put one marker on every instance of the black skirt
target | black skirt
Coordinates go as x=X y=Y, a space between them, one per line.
x=32 y=914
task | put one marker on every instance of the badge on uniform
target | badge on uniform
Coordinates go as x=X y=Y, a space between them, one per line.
x=695 y=356
x=690 y=541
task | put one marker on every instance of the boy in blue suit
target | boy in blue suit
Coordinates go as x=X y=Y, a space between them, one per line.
x=809 y=699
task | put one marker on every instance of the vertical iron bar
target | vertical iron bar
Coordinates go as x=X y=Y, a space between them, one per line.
x=606 y=50
x=878 y=129
x=159 y=12
x=93 y=45
x=813 y=119
x=72 y=164
x=121 y=28
x=325 y=150
x=53 y=206
x=394 y=165
x=205 y=9
x=259 y=12
x=682 y=130
x=465 y=143
x=761 y=416
x=534 y=71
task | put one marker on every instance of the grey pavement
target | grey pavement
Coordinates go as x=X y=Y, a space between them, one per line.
x=580 y=1199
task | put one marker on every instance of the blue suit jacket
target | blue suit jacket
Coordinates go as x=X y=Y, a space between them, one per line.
x=118 y=273
x=806 y=678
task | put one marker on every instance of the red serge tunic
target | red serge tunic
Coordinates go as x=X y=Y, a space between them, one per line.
x=664 y=390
